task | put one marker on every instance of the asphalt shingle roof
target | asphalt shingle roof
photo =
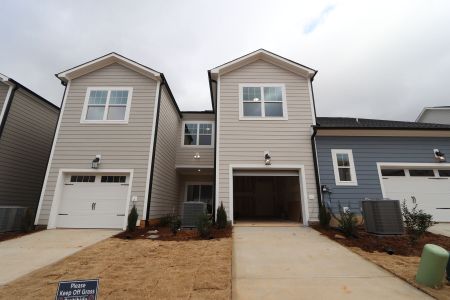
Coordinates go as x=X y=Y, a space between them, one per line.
x=338 y=122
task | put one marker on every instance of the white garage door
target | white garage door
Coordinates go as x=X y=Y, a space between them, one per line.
x=428 y=188
x=93 y=201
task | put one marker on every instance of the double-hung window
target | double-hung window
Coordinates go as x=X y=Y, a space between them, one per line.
x=262 y=101
x=107 y=105
x=200 y=192
x=198 y=134
x=344 y=167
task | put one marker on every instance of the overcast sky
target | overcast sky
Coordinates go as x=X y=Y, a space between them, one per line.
x=375 y=59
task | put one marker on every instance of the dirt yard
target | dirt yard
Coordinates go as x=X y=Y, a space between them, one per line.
x=404 y=263
x=138 y=269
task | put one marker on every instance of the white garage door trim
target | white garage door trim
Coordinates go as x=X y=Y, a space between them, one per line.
x=301 y=176
x=60 y=187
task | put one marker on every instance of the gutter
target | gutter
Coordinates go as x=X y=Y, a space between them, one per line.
x=316 y=165
x=382 y=128
x=163 y=82
x=214 y=107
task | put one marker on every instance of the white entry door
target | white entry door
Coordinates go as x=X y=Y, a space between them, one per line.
x=428 y=188
x=93 y=201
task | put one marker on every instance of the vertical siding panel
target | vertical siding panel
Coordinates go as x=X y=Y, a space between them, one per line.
x=25 y=148
x=122 y=146
x=244 y=141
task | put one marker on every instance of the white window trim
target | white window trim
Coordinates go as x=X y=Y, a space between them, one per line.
x=104 y=121
x=261 y=85
x=338 y=181
x=197 y=146
x=188 y=183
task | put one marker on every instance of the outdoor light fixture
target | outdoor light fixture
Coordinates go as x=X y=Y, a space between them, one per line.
x=267 y=158
x=438 y=155
x=96 y=161
x=197 y=156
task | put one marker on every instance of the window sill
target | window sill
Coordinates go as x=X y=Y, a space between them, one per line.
x=242 y=118
x=103 y=122
x=347 y=183
x=198 y=146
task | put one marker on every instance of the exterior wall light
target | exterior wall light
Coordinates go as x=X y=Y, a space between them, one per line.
x=438 y=155
x=96 y=161
x=267 y=158
x=197 y=156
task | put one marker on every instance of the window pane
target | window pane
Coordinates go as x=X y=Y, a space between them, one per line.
x=116 y=112
x=193 y=193
x=206 y=196
x=205 y=128
x=252 y=109
x=118 y=97
x=393 y=172
x=444 y=173
x=190 y=134
x=251 y=93
x=426 y=173
x=274 y=109
x=98 y=97
x=342 y=160
x=272 y=94
x=204 y=139
x=344 y=174
x=95 y=112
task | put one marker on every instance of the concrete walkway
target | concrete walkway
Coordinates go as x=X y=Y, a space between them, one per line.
x=440 y=228
x=25 y=254
x=299 y=263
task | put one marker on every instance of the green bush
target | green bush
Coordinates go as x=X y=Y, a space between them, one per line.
x=324 y=216
x=166 y=220
x=347 y=222
x=416 y=221
x=28 y=220
x=175 y=224
x=222 y=221
x=204 y=225
x=132 y=219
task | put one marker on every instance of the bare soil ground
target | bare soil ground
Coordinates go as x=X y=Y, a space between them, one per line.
x=138 y=269
x=405 y=261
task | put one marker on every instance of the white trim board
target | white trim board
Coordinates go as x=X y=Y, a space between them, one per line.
x=302 y=182
x=58 y=195
x=5 y=103
x=55 y=138
x=217 y=166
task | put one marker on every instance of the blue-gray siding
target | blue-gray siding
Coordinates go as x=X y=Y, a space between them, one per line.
x=367 y=151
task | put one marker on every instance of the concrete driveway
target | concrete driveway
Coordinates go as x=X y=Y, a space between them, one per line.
x=440 y=228
x=299 y=263
x=25 y=254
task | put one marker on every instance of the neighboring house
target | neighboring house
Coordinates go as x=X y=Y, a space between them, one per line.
x=437 y=114
x=374 y=159
x=27 y=127
x=264 y=160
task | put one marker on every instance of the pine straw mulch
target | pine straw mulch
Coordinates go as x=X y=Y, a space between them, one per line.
x=405 y=260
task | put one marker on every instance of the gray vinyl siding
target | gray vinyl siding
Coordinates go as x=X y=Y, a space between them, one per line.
x=122 y=146
x=3 y=92
x=25 y=148
x=164 y=197
x=185 y=155
x=244 y=141
x=367 y=151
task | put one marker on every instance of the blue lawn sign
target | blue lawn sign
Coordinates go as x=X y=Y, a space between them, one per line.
x=77 y=290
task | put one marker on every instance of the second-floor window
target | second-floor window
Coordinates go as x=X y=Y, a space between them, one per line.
x=198 y=134
x=107 y=105
x=259 y=101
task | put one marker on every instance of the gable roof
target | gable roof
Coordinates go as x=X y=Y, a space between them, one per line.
x=266 y=56
x=104 y=61
x=430 y=108
x=359 y=123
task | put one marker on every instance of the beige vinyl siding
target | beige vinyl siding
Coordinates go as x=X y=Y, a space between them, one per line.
x=122 y=146
x=164 y=197
x=185 y=155
x=244 y=141
x=25 y=148
x=3 y=93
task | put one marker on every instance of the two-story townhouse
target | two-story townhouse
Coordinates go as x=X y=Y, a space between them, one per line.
x=264 y=166
x=27 y=127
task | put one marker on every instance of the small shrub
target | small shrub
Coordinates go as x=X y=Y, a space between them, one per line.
x=132 y=219
x=221 y=217
x=175 y=224
x=28 y=220
x=347 y=222
x=416 y=221
x=324 y=216
x=204 y=226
